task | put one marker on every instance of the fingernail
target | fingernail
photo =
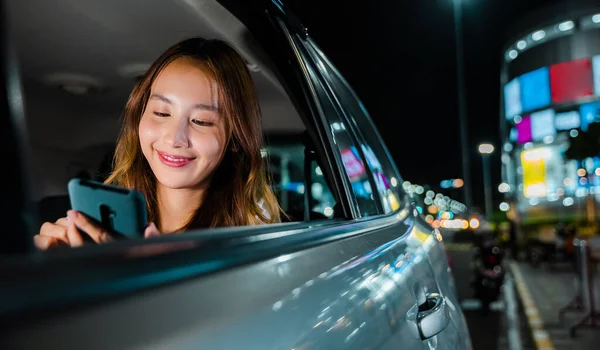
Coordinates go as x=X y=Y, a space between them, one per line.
x=71 y=214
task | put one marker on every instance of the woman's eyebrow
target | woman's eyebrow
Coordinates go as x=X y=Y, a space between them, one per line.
x=206 y=107
x=160 y=97
x=203 y=106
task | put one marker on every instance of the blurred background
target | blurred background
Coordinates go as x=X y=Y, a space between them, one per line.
x=491 y=110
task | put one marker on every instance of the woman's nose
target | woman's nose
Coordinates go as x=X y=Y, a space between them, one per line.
x=177 y=136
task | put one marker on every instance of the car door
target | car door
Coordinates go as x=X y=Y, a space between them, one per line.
x=379 y=162
x=434 y=277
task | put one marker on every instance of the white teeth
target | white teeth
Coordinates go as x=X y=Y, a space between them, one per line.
x=174 y=159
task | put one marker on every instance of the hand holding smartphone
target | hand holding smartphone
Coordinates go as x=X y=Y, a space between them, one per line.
x=120 y=211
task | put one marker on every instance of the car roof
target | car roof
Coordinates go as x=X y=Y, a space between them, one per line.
x=108 y=44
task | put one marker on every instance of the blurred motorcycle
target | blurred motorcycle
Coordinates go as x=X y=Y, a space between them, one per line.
x=487 y=271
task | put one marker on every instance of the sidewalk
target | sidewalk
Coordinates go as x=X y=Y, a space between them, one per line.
x=543 y=292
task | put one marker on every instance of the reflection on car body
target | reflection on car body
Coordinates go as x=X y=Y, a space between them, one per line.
x=356 y=268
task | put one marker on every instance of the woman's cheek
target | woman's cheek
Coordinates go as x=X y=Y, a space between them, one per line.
x=217 y=147
x=147 y=132
x=146 y=127
x=210 y=145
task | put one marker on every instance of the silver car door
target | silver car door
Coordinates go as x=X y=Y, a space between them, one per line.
x=354 y=115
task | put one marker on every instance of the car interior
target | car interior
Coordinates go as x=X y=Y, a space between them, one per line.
x=77 y=73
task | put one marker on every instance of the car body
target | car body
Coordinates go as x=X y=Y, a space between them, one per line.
x=356 y=268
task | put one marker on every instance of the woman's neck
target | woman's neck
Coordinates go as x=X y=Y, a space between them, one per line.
x=176 y=206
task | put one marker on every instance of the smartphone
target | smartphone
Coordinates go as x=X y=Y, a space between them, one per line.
x=119 y=210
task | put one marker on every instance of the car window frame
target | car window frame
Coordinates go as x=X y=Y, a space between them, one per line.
x=333 y=99
x=333 y=161
x=366 y=114
x=351 y=122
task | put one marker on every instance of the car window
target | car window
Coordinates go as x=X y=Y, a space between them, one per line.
x=352 y=158
x=386 y=178
x=74 y=101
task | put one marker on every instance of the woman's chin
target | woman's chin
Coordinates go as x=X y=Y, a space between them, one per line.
x=175 y=184
x=178 y=181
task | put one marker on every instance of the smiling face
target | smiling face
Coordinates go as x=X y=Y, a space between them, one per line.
x=182 y=132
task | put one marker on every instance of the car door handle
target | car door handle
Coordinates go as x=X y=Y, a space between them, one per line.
x=433 y=316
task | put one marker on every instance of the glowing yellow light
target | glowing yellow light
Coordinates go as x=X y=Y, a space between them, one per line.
x=465 y=224
x=458 y=183
x=432 y=209
x=474 y=223
x=419 y=235
x=534 y=172
x=581 y=172
x=393 y=201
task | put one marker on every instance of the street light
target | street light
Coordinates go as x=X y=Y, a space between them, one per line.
x=462 y=101
x=486 y=149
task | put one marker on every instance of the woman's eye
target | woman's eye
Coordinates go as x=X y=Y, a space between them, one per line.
x=201 y=122
x=161 y=114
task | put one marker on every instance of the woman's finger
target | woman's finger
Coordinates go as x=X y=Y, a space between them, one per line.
x=96 y=232
x=75 y=238
x=49 y=229
x=62 y=222
x=45 y=242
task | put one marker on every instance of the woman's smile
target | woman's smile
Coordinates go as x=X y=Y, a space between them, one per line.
x=174 y=161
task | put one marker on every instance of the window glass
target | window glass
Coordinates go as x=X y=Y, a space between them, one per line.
x=385 y=174
x=351 y=157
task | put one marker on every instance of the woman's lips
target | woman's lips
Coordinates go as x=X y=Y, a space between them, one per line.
x=173 y=160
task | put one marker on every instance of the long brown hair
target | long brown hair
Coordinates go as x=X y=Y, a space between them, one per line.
x=239 y=190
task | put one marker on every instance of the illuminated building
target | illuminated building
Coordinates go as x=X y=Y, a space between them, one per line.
x=550 y=93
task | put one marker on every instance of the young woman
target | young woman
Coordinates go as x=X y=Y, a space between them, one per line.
x=190 y=142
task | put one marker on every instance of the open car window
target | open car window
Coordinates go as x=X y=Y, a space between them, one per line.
x=76 y=75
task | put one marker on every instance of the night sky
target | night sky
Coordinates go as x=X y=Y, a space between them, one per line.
x=400 y=58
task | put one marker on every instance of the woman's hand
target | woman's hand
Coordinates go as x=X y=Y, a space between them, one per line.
x=152 y=231
x=64 y=232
